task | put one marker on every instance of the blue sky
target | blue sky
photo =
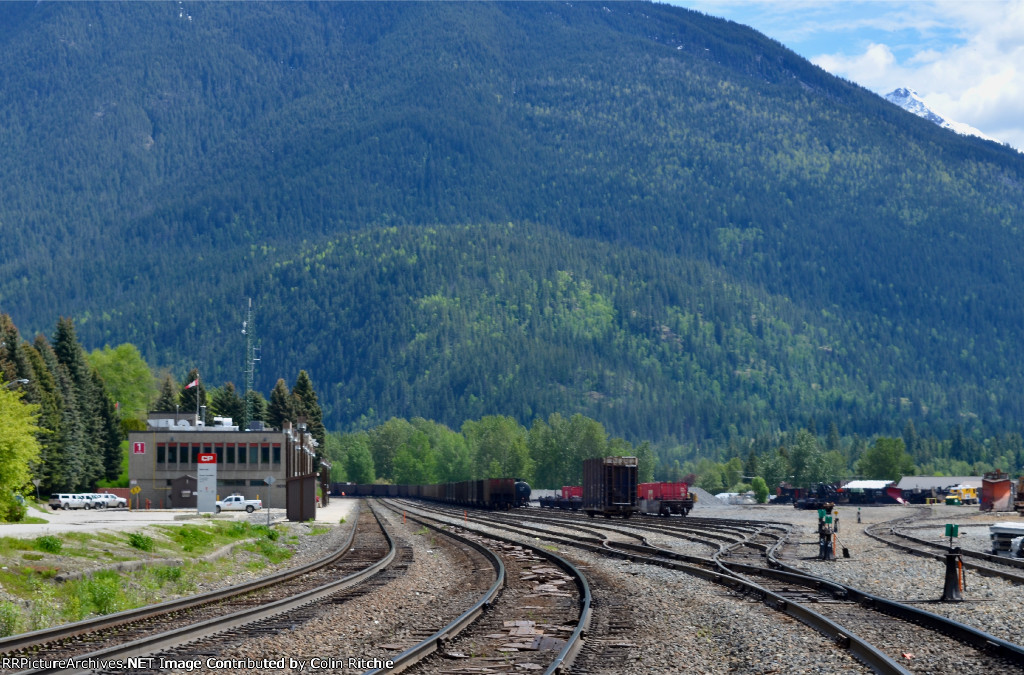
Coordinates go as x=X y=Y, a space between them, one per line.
x=964 y=57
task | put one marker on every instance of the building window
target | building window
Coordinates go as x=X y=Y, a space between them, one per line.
x=219 y=449
x=265 y=453
x=172 y=453
x=277 y=453
x=231 y=453
x=254 y=454
x=257 y=482
x=161 y=453
x=233 y=482
x=195 y=454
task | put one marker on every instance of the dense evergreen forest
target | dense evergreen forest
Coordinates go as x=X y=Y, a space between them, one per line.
x=664 y=222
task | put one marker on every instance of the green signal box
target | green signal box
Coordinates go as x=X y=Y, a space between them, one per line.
x=952 y=530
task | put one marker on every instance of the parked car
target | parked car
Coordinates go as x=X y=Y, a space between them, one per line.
x=239 y=503
x=68 y=501
x=108 y=501
x=93 y=500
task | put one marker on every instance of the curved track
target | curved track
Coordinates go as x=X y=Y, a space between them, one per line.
x=896 y=533
x=535 y=624
x=107 y=642
x=885 y=635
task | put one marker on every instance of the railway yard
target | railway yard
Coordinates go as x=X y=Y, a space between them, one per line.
x=644 y=594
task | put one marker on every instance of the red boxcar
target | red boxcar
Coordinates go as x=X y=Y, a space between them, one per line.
x=664 y=498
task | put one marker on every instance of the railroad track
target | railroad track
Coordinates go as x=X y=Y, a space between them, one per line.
x=107 y=643
x=887 y=636
x=895 y=533
x=534 y=624
x=901 y=637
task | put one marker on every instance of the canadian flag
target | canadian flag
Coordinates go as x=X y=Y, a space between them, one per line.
x=193 y=383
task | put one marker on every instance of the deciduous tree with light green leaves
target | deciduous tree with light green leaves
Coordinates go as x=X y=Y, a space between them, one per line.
x=499 y=443
x=886 y=459
x=19 y=448
x=760 y=489
x=128 y=378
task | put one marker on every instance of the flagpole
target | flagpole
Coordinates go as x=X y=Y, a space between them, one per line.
x=197 y=400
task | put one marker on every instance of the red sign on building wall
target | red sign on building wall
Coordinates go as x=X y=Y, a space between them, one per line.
x=207 y=458
x=139 y=447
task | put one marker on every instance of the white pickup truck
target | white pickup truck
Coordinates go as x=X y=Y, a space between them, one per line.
x=239 y=503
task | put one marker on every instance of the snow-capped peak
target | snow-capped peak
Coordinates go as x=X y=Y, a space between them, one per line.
x=911 y=101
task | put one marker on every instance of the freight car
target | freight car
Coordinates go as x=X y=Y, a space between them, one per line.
x=570 y=498
x=489 y=493
x=610 y=486
x=665 y=498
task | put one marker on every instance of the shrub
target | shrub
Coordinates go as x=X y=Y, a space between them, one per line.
x=15 y=512
x=140 y=541
x=48 y=544
x=104 y=590
x=266 y=532
x=10 y=619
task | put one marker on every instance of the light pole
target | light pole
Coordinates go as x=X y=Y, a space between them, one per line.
x=302 y=442
x=16 y=383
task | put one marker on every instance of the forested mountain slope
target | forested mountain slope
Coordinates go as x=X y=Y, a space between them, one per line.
x=665 y=221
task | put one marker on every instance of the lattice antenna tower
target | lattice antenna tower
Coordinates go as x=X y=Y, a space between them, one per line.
x=252 y=357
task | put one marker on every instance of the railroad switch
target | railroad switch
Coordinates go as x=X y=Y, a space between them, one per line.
x=826 y=534
x=952 y=589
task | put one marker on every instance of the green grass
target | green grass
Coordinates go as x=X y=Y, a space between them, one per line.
x=39 y=601
x=9 y=545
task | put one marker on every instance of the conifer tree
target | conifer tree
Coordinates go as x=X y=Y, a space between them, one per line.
x=227 y=402
x=306 y=403
x=83 y=403
x=50 y=414
x=109 y=436
x=258 y=405
x=832 y=443
x=282 y=406
x=168 y=399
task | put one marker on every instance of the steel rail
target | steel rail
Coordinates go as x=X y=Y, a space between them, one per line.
x=974 y=637
x=574 y=643
x=160 y=641
x=858 y=647
x=24 y=641
x=420 y=651
x=996 y=560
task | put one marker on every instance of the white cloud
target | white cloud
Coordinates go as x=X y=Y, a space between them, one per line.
x=965 y=57
x=975 y=79
x=872 y=68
